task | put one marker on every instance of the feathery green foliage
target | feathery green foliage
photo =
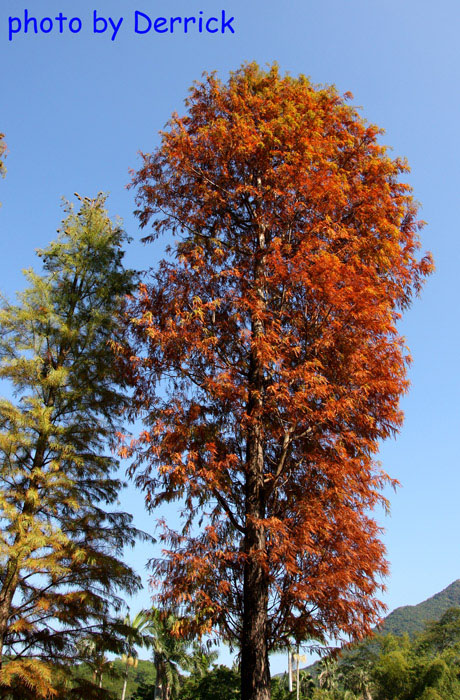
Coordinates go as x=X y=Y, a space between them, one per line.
x=61 y=574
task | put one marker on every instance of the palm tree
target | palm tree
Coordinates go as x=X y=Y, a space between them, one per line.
x=328 y=676
x=357 y=674
x=93 y=653
x=306 y=683
x=201 y=659
x=360 y=683
x=170 y=655
x=139 y=629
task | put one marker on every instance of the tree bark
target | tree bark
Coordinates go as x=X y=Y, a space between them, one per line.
x=255 y=669
x=6 y=599
x=255 y=672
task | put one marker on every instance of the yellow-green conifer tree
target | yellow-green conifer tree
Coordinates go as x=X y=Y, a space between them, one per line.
x=61 y=573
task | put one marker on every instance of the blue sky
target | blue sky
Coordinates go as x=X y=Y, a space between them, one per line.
x=76 y=109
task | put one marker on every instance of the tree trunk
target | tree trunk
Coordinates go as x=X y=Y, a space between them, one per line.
x=10 y=584
x=298 y=674
x=158 y=693
x=289 y=671
x=125 y=682
x=255 y=669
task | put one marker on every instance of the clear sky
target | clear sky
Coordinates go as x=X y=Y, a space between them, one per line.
x=77 y=107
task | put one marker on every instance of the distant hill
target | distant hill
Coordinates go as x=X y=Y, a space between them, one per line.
x=412 y=618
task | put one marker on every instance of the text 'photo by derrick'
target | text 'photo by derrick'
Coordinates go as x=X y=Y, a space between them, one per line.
x=221 y=22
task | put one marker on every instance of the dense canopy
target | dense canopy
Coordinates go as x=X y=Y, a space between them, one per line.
x=266 y=360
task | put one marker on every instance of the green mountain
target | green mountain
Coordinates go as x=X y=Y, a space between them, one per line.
x=412 y=618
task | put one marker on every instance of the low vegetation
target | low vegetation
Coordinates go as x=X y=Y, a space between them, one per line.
x=389 y=667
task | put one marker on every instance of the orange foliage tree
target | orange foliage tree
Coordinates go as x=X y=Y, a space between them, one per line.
x=266 y=360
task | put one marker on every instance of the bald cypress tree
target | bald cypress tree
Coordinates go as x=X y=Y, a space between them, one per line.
x=267 y=361
x=61 y=542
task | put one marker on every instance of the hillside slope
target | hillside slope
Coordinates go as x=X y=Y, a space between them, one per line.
x=412 y=618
